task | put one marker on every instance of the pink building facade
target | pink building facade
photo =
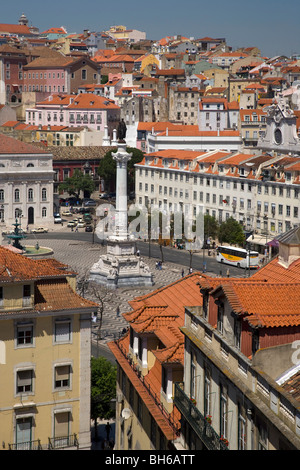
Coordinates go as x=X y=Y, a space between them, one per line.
x=84 y=109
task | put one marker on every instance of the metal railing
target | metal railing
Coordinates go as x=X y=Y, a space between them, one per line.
x=63 y=442
x=205 y=432
x=29 y=445
x=151 y=392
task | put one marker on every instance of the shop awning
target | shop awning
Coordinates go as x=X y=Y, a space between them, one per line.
x=259 y=240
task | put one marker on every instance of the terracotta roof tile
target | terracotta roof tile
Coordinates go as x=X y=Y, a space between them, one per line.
x=58 y=295
x=9 y=145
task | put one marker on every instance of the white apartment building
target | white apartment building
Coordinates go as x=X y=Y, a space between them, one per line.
x=191 y=138
x=259 y=191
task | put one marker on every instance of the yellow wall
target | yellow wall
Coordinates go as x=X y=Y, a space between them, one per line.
x=42 y=356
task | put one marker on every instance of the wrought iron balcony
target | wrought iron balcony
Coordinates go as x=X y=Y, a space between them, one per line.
x=29 y=445
x=63 y=442
x=205 y=432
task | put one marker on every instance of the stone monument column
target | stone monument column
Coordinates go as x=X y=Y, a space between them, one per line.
x=120 y=266
x=121 y=219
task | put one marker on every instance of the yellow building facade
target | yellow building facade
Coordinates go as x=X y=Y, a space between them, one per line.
x=44 y=357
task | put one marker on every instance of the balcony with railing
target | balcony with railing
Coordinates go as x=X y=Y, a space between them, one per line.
x=65 y=442
x=28 y=445
x=206 y=433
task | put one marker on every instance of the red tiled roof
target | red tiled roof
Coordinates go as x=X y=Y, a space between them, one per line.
x=9 y=145
x=265 y=304
x=58 y=295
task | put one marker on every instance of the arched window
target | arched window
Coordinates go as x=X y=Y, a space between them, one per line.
x=30 y=165
x=44 y=194
x=44 y=212
x=17 y=195
x=30 y=194
x=18 y=213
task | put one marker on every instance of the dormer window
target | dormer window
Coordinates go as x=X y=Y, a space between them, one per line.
x=237 y=332
x=220 y=320
x=26 y=295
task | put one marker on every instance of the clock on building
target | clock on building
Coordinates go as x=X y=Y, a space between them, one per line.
x=278 y=136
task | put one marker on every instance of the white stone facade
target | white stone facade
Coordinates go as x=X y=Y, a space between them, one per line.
x=261 y=192
x=26 y=186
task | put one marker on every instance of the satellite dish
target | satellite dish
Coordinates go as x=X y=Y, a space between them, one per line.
x=126 y=413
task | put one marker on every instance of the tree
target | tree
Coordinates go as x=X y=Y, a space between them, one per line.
x=76 y=183
x=103 y=389
x=107 y=168
x=211 y=227
x=231 y=232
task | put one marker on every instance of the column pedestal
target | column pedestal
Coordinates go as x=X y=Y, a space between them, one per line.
x=120 y=266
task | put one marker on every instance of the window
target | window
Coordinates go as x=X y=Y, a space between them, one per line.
x=62 y=375
x=237 y=332
x=255 y=341
x=30 y=194
x=220 y=317
x=62 y=330
x=61 y=428
x=153 y=431
x=193 y=375
x=207 y=391
x=26 y=295
x=17 y=195
x=140 y=409
x=262 y=437
x=24 y=381
x=2 y=195
x=44 y=194
x=24 y=334
x=23 y=432
x=83 y=74
x=241 y=431
x=223 y=411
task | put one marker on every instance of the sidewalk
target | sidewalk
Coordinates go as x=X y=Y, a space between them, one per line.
x=102 y=443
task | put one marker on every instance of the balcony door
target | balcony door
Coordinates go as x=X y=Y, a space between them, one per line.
x=23 y=433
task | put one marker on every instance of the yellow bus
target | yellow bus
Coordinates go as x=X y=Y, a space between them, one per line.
x=237 y=257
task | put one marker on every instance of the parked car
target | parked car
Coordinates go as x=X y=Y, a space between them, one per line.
x=88 y=228
x=103 y=196
x=71 y=223
x=81 y=224
x=66 y=213
x=39 y=230
x=57 y=219
x=89 y=202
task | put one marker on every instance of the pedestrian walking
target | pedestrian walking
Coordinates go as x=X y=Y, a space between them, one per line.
x=182 y=273
x=118 y=311
x=227 y=273
x=107 y=430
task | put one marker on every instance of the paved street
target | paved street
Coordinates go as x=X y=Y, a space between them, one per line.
x=81 y=255
x=79 y=252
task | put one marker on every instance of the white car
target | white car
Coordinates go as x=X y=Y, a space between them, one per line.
x=39 y=230
x=71 y=223
x=66 y=213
